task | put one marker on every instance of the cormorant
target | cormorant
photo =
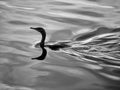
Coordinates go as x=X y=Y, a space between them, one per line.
x=43 y=33
x=42 y=44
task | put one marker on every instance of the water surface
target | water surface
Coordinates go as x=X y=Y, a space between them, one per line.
x=92 y=61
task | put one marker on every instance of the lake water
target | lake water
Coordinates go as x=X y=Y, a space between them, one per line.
x=92 y=61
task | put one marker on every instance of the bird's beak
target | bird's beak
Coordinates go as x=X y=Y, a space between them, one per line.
x=32 y=28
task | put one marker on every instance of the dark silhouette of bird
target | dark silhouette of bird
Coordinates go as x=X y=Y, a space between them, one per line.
x=43 y=33
x=42 y=42
x=42 y=45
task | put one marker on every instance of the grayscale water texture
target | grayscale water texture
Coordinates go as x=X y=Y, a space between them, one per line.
x=91 y=63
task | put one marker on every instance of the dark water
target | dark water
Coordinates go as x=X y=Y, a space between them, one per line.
x=91 y=63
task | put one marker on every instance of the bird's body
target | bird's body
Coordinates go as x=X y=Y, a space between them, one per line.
x=41 y=44
x=57 y=46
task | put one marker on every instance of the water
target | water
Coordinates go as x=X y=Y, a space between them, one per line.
x=92 y=61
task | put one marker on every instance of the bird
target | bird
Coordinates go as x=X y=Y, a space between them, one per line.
x=42 y=45
x=43 y=33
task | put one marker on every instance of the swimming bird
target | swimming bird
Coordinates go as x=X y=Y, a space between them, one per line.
x=55 y=46
x=42 y=42
x=43 y=33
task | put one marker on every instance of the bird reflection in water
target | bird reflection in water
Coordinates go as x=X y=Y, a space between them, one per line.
x=42 y=44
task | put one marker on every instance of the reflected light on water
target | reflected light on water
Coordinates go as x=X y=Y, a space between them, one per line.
x=89 y=27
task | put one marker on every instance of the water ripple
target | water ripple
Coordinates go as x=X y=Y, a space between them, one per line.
x=92 y=59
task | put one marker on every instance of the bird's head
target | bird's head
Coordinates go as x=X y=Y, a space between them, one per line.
x=39 y=29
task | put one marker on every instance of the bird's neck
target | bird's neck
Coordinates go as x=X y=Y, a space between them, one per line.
x=43 y=37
